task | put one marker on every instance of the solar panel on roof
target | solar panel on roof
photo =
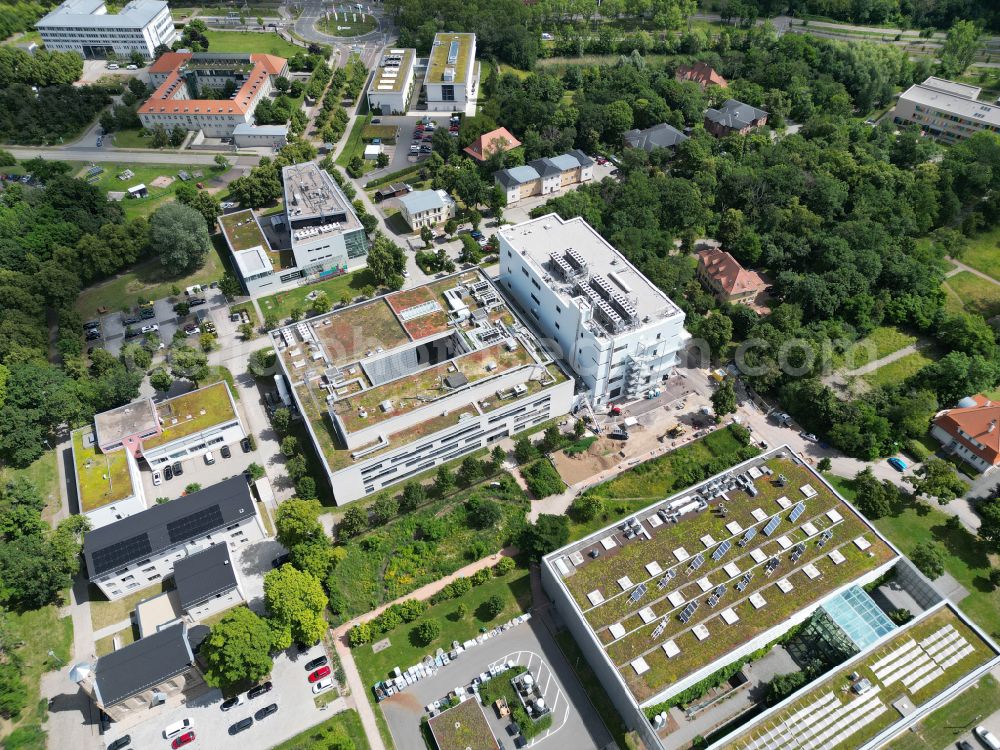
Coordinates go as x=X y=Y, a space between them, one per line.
x=660 y=628
x=121 y=553
x=666 y=579
x=720 y=590
x=797 y=511
x=721 y=550
x=771 y=526
x=637 y=593
x=686 y=613
x=697 y=561
x=195 y=524
x=751 y=533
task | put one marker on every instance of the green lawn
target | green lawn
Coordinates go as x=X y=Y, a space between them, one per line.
x=135 y=138
x=44 y=474
x=355 y=145
x=942 y=727
x=250 y=41
x=351 y=284
x=104 y=613
x=146 y=174
x=515 y=588
x=107 y=644
x=348 y=24
x=37 y=632
x=883 y=341
x=334 y=732
x=977 y=294
x=983 y=253
x=965 y=556
x=897 y=371
x=147 y=279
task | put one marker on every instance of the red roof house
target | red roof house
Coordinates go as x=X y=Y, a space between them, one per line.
x=485 y=145
x=728 y=280
x=971 y=431
x=702 y=74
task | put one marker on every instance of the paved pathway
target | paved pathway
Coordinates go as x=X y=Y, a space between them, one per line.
x=960 y=266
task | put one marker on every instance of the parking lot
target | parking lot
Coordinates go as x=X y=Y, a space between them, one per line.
x=196 y=470
x=400 y=157
x=292 y=693
x=575 y=724
x=113 y=323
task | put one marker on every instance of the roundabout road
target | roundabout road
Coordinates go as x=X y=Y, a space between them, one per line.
x=306 y=26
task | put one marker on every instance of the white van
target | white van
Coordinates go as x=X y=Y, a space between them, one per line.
x=112 y=66
x=209 y=458
x=175 y=729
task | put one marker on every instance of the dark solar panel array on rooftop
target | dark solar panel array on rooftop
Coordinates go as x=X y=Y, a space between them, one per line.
x=121 y=553
x=195 y=525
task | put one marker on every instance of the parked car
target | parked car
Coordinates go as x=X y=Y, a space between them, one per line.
x=376 y=120
x=93 y=335
x=476 y=234
x=323 y=685
x=897 y=463
x=113 y=66
x=185 y=739
x=176 y=728
x=157 y=478
x=196 y=301
x=150 y=328
x=316 y=663
x=325 y=672
x=226 y=453
x=233 y=702
x=120 y=743
x=168 y=473
x=209 y=458
x=277 y=563
x=809 y=436
x=273 y=709
x=191 y=329
x=987 y=738
x=245 y=444
x=240 y=725
x=258 y=690
x=131 y=66
x=134 y=321
x=964 y=745
x=178 y=469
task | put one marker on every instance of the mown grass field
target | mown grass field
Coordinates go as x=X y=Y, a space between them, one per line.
x=977 y=294
x=883 y=341
x=898 y=370
x=250 y=41
x=351 y=284
x=341 y=730
x=983 y=253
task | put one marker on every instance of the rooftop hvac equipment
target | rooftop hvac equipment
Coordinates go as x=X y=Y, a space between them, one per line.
x=560 y=266
x=575 y=259
x=448 y=75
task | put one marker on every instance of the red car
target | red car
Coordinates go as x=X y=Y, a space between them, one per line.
x=184 y=739
x=319 y=674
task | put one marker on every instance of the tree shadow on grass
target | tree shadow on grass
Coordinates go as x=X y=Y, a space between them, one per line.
x=963 y=544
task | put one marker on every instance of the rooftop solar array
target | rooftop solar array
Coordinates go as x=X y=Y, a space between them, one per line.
x=771 y=526
x=121 y=553
x=637 y=593
x=686 y=613
x=195 y=524
x=697 y=561
x=797 y=511
x=751 y=533
x=721 y=550
x=670 y=575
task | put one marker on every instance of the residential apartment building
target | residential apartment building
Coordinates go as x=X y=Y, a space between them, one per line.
x=397 y=385
x=190 y=87
x=85 y=26
x=142 y=549
x=734 y=117
x=545 y=176
x=142 y=675
x=698 y=581
x=658 y=136
x=318 y=235
x=617 y=330
x=452 y=78
x=426 y=208
x=946 y=110
x=971 y=431
x=727 y=279
x=392 y=85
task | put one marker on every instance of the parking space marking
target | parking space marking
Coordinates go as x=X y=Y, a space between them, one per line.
x=543 y=670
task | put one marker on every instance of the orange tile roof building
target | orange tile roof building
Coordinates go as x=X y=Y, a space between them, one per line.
x=180 y=76
x=728 y=280
x=971 y=431
x=488 y=143
x=702 y=74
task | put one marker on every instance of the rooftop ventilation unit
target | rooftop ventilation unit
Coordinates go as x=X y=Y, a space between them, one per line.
x=449 y=74
x=575 y=259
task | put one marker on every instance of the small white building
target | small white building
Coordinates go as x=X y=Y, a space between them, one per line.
x=142 y=549
x=452 y=77
x=392 y=85
x=246 y=135
x=426 y=208
x=372 y=151
x=85 y=26
x=617 y=330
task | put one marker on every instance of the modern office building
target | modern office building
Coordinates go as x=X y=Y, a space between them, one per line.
x=142 y=675
x=452 y=77
x=85 y=26
x=946 y=110
x=318 y=234
x=139 y=550
x=392 y=85
x=426 y=208
x=734 y=117
x=394 y=386
x=545 y=176
x=618 y=331
x=192 y=91
x=971 y=431
x=663 y=135
x=666 y=597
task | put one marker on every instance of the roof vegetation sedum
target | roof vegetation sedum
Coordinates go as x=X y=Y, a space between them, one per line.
x=193 y=412
x=102 y=478
x=438 y=60
x=242 y=231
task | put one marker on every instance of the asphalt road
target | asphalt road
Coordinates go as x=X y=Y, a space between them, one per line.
x=94 y=154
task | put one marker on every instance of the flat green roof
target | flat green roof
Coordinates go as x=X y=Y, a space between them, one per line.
x=242 y=231
x=191 y=413
x=438 y=60
x=394 y=82
x=101 y=478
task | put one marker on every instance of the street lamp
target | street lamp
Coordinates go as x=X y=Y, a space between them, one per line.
x=52 y=655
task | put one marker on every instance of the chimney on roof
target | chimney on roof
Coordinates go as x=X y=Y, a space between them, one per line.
x=992 y=427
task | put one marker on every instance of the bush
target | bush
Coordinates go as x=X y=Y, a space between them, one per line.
x=505 y=566
x=586 y=508
x=542 y=479
x=425 y=633
x=493 y=606
x=783 y=685
x=481 y=576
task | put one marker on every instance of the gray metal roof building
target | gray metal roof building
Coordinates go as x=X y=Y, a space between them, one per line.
x=168 y=525
x=658 y=136
x=204 y=575
x=142 y=665
x=734 y=114
x=86 y=13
